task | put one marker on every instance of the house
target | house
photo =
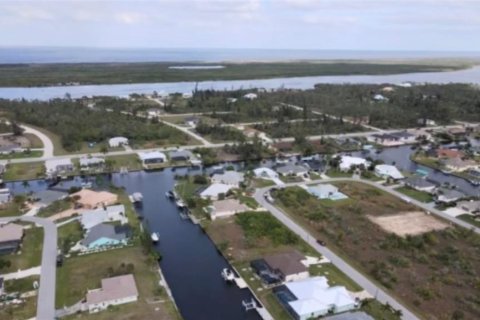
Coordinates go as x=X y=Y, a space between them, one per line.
x=226 y=208
x=105 y=235
x=231 y=100
x=46 y=197
x=231 y=178
x=458 y=164
x=386 y=171
x=91 y=162
x=90 y=219
x=2 y=288
x=181 y=155
x=11 y=235
x=388 y=89
x=472 y=207
x=114 y=291
x=315 y=165
x=5 y=195
x=326 y=191
x=154 y=112
x=215 y=190
x=292 y=169
x=426 y=122
x=117 y=142
x=313 y=297
x=152 y=157
x=58 y=167
x=449 y=195
x=191 y=121
x=347 y=163
x=90 y=199
x=420 y=184
x=393 y=138
x=288 y=265
x=457 y=131
x=250 y=96
x=379 y=97
x=449 y=153
x=265 y=173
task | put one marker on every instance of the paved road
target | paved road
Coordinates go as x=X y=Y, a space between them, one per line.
x=47 y=143
x=196 y=136
x=363 y=281
x=46 y=293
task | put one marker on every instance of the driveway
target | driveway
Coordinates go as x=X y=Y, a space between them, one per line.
x=46 y=292
x=47 y=143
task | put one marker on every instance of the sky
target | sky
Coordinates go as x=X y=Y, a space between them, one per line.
x=430 y=25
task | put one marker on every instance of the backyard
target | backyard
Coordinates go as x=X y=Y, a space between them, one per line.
x=429 y=271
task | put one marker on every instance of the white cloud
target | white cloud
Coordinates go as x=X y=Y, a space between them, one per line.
x=130 y=17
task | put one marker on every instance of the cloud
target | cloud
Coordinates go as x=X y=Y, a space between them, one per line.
x=28 y=12
x=130 y=17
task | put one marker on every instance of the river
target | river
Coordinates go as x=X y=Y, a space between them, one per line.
x=471 y=75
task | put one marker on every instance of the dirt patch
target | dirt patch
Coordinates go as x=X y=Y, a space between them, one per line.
x=10 y=140
x=408 y=223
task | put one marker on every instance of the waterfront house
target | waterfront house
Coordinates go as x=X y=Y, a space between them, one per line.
x=449 y=195
x=181 y=155
x=379 y=97
x=347 y=163
x=91 y=162
x=11 y=235
x=91 y=218
x=316 y=165
x=226 y=208
x=472 y=206
x=11 y=148
x=458 y=164
x=192 y=121
x=215 y=190
x=291 y=169
x=105 y=235
x=386 y=171
x=114 y=291
x=326 y=191
x=288 y=265
x=117 y=142
x=152 y=157
x=449 y=153
x=393 y=139
x=56 y=167
x=420 y=184
x=313 y=297
x=90 y=199
x=5 y=195
x=265 y=173
x=231 y=178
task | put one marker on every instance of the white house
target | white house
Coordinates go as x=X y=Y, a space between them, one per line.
x=315 y=298
x=250 y=96
x=347 y=162
x=88 y=162
x=58 y=166
x=226 y=208
x=117 y=142
x=154 y=112
x=152 y=157
x=292 y=169
x=94 y=217
x=326 y=191
x=387 y=171
x=214 y=190
x=114 y=291
x=232 y=178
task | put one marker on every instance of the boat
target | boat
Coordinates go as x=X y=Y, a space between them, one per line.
x=180 y=204
x=228 y=275
x=136 y=197
x=170 y=195
x=155 y=237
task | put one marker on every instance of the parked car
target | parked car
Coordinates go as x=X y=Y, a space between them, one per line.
x=321 y=242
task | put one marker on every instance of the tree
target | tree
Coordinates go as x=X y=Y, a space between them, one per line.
x=16 y=129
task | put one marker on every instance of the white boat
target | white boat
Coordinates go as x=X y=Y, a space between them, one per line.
x=170 y=194
x=180 y=204
x=228 y=275
x=154 y=237
x=136 y=197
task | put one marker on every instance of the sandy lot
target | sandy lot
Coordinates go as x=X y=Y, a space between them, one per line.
x=409 y=223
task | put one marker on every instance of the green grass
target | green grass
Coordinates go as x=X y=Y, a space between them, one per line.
x=186 y=188
x=22 y=155
x=22 y=311
x=379 y=311
x=417 y=195
x=11 y=209
x=248 y=201
x=35 y=142
x=31 y=252
x=262 y=183
x=69 y=234
x=469 y=219
x=130 y=161
x=55 y=207
x=24 y=171
x=21 y=285
x=334 y=173
x=334 y=275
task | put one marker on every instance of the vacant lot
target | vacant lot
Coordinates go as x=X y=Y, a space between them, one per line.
x=435 y=273
x=24 y=171
x=409 y=223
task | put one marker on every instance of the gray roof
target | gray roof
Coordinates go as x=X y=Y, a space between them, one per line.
x=46 y=197
x=359 y=315
x=105 y=230
x=419 y=182
x=181 y=154
x=291 y=168
x=287 y=263
x=451 y=193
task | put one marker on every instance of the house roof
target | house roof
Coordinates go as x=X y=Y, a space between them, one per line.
x=113 y=289
x=228 y=205
x=87 y=161
x=287 y=263
x=115 y=140
x=449 y=153
x=52 y=164
x=419 y=182
x=229 y=177
x=46 y=197
x=215 y=189
x=358 y=315
x=181 y=153
x=105 y=230
x=348 y=161
x=458 y=162
x=472 y=206
x=265 y=173
x=152 y=155
x=388 y=170
x=291 y=168
x=11 y=232
x=450 y=194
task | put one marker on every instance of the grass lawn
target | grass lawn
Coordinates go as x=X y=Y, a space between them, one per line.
x=69 y=234
x=248 y=201
x=30 y=254
x=11 y=209
x=379 y=311
x=21 y=285
x=72 y=284
x=334 y=275
x=35 y=141
x=22 y=155
x=55 y=207
x=186 y=188
x=24 y=171
x=334 y=173
x=22 y=311
x=417 y=195
x=262 y=183
x=130 y=161
x=470 y=219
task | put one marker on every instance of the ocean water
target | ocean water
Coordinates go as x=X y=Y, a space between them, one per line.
x=12 y=55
